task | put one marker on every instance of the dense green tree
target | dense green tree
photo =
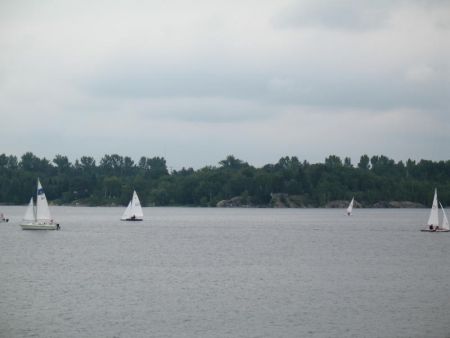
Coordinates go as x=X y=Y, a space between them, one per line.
x=112 y=186
x=333 y=161
x=232 y=162
x=153 y=167
x=62 y=162
x=364 y=162
x=374 y=179
x=87 y=162
x=348 y=162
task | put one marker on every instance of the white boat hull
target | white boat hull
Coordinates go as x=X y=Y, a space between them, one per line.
x=38 y=226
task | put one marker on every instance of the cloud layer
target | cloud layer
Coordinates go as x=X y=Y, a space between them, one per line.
x=195 y=82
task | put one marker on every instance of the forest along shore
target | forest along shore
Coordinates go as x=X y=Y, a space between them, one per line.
x=376 y=181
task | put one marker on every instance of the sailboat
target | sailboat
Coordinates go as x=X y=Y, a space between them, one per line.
x=3 y=218
x=433 y=219
x=133 y=212
x=38 y=217
x=350 y=207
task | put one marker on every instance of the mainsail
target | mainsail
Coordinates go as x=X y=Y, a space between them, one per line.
x=136 y=208
x=434 y=213
x=350 y=207
x=42 y=210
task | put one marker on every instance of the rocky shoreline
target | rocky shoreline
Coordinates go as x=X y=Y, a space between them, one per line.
x=281 y=200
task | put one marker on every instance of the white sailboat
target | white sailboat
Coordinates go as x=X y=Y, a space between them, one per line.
x=350 y=207
x=133 y=212
x=38 y=217
x=433 y=219
x=3 y=218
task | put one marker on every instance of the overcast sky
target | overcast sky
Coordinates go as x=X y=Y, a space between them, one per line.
x=194 y=81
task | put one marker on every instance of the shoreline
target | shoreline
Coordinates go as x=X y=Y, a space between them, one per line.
x=217 y=207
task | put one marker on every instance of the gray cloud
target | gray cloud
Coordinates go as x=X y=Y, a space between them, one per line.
x=420 y=87
x=348 y=15
x=173 y=83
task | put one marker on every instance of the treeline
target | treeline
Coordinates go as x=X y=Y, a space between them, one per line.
x=112 y=180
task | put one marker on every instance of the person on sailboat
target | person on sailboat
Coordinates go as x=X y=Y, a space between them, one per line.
x=431 y=227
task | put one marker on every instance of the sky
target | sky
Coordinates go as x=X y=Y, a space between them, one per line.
x=195 y=81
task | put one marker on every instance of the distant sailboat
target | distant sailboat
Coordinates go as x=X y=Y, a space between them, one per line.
x=433 y=219
x=133 y=212
x=38 y=218
x=350 y=207
x=3 y=218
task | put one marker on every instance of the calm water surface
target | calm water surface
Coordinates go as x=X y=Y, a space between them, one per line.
x=193 y=272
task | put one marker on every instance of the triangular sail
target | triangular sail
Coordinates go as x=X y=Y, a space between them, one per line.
x=350 y=207
x=434 y=213
x=42 y=210
x=30 y=213
x=445 y=224
x=136 y=209
x=127 y=212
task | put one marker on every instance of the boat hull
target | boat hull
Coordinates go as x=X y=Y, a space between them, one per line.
x=132 y=219
x=440 y=230
x=37 y=226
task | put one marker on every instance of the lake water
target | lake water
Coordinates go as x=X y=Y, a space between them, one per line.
x=195 y=272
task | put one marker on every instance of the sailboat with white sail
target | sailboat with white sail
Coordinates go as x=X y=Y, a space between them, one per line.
x=133 y=212
x=3 y=219
x=350 y=207
x=37 y=217
x=433 y=219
